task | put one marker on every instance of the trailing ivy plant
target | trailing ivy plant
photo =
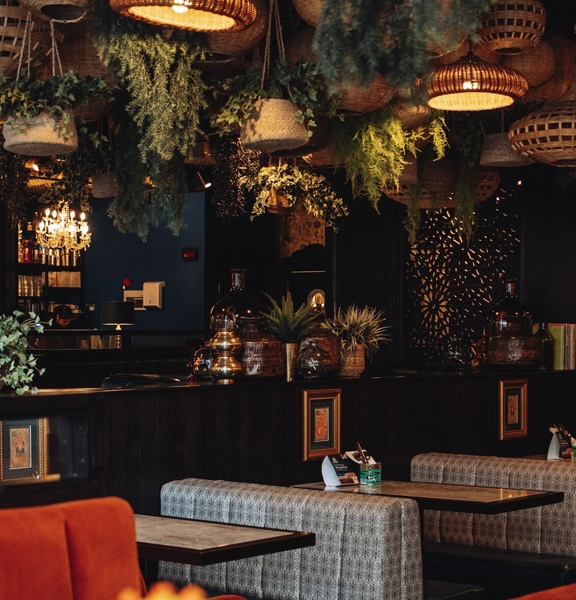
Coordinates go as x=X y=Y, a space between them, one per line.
x=161 y=75
x=297 y=185
x=302 y=84
x=356 y=39
x=373 y=148
x=25 y=98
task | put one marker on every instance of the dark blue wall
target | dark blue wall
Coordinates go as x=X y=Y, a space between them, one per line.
x=113 y=256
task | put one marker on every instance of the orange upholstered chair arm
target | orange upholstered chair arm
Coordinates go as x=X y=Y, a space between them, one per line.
x=565 y=592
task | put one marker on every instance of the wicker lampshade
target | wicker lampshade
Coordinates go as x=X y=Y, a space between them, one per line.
x=195 y=15
x=472 y=84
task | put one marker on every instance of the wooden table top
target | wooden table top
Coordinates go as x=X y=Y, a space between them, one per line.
x=459 y=498
x=204 y=543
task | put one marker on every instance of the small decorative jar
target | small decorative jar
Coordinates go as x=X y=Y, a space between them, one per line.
x=313 y=361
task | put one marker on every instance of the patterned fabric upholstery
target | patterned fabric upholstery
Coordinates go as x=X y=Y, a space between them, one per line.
x=366 y=546
x=541 y=530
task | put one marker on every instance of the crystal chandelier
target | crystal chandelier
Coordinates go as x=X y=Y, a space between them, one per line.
x=59 y=228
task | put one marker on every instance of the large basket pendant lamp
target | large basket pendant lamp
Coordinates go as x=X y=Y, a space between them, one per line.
x=471 y=84
x=194 y=15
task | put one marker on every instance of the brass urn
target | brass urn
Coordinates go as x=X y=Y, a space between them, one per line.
x=227 y=347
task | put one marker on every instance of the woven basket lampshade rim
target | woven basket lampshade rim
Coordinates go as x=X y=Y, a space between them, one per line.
x=202 y=15
x=40 y=137
x=511 y=26
x=537 y=63
x=309 y=11
x=234 y=43
x=59 y=11
x=547 y=135
x=495 y=86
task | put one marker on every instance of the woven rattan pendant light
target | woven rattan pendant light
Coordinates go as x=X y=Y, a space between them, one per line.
x=471 y=84
x=194 y=15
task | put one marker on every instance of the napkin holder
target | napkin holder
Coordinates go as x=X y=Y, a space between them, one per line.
x=342 y=469
x=560 y=447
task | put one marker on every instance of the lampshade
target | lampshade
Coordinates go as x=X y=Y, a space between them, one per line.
x=195 y=15
x=118 y=313
x=471 y=84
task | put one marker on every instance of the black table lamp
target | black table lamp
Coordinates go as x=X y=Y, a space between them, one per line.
x=117 y=313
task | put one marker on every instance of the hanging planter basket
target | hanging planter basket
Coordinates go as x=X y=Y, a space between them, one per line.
x=510 y=27
x=272 y=126
x=278 y=203
x=59 y=11
x=104 y=185
x=547 y=135
x=498 y=152
x=44 y=135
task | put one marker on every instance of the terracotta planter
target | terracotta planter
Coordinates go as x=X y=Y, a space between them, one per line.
x=353 y=362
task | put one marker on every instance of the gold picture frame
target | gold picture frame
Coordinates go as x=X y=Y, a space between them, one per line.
x=320 y=423
x=23 y=451
x=513 y=408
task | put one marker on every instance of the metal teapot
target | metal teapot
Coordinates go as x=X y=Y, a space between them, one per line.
x=226 y=346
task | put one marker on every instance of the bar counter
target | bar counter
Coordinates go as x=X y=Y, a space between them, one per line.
x=253 y=430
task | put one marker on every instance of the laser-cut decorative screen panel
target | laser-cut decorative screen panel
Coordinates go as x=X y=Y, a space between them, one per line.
x=452 y=284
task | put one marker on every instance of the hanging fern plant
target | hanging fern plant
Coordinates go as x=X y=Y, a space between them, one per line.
x=167 y=92
x=373 y=148
x=13 y=182
x=356 y=39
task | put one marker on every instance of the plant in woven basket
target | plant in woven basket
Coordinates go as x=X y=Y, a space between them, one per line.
x=17 y=363
x=301 y=84
x=359 y=327
x=287 y=324
x=24 y=99
x=294 y=185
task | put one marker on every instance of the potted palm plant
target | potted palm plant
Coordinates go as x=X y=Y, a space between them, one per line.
x=361 y=332
x=17 y=363
x=289 y=326
x=38 y=113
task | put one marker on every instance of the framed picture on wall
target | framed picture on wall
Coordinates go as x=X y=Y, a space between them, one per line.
x=23 y=453
x=321 y=423
x=513 y=408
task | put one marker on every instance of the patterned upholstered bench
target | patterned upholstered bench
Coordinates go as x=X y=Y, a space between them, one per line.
x=367 y=547
x=509 y=554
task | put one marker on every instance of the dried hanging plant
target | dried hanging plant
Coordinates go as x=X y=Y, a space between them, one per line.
x=13 y=181
x=232 y=162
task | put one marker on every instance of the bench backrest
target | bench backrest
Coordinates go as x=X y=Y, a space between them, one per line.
x=545 y=530
x=366 y=547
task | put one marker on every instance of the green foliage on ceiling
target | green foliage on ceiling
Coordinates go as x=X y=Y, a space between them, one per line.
x=148 y=193
x=13 y=181
x=373 y=148
x=356 y=39
x=159 y=71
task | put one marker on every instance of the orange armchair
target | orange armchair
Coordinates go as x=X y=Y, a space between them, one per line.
x=80 y=550
x=565 y=592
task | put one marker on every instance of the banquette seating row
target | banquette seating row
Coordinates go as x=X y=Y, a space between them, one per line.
x=367 y=548
x=509 y=554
